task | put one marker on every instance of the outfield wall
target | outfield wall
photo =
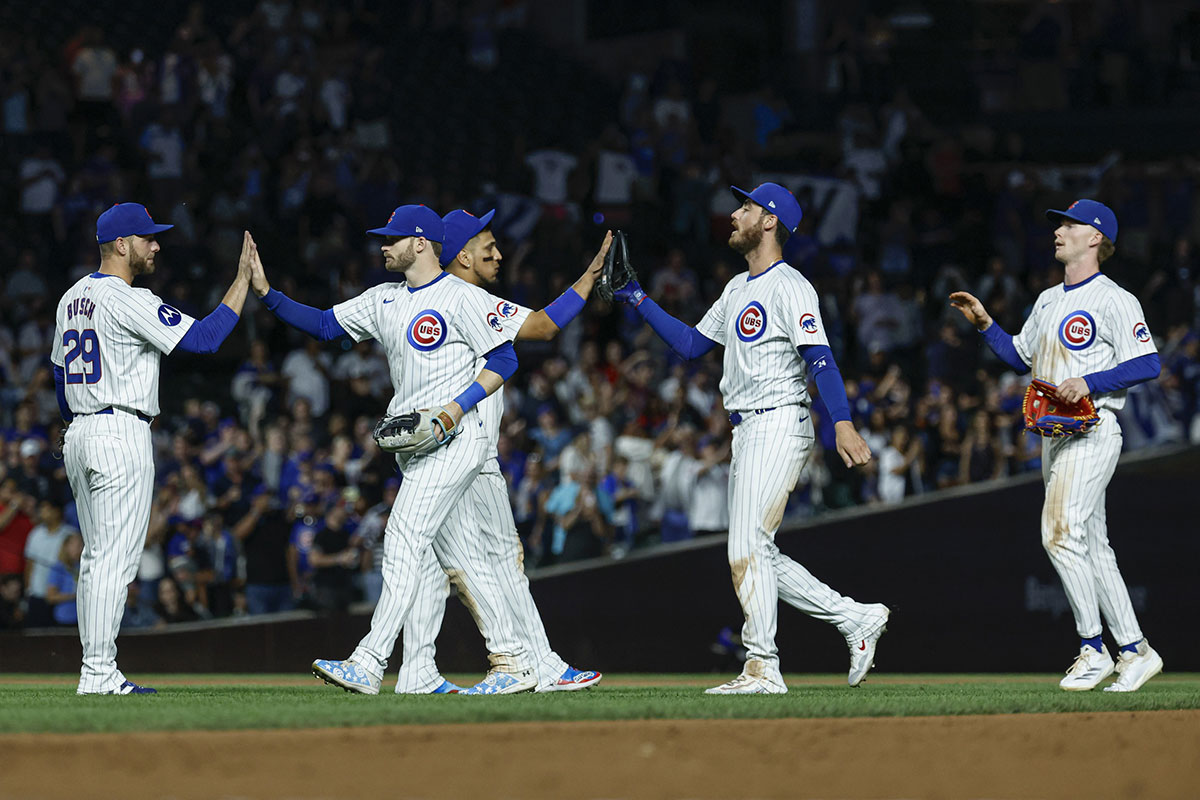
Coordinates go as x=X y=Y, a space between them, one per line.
x=970 y=587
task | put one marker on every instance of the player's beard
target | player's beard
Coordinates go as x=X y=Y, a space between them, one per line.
x=744 y=242
x=140 y=265
x=406 y=258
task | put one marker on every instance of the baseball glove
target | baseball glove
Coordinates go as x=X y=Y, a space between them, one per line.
x=618 y=281
x=415 y=432
x=1046 y=415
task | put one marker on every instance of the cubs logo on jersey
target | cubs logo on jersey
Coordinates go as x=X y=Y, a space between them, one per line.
x=751 y=322
x=169 y=316
x=505 y=310
x=427 y=330
x=808 y=323
x=1077 y=331
x=494 y=321
x=1141 y=332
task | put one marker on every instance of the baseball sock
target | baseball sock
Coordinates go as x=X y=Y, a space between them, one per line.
x=1130 y=648
x=1096 y=642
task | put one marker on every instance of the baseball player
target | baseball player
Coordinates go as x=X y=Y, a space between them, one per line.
x=471 y=253
x=434 y=328
x=108 y=340
x=769 y=321
x=1088 y=336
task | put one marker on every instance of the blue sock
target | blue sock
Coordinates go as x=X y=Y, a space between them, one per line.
x=1097 y=643
x=1130 y=648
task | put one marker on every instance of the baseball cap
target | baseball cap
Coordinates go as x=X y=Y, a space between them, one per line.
x=1089 y=212
x=413 y=220
x=461 y=227
x=126 y=219
x=777 y=200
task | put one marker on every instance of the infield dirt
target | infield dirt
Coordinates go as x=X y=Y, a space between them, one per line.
x=1127 y=755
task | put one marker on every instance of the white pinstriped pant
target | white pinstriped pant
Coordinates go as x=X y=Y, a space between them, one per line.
x=497 y=544
x=769 y=450
x=1076 y=471
x=433 y=510
x=110 y=466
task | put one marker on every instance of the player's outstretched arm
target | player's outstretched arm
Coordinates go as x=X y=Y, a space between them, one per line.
x=997 y=338
x=544 y=325
x=825 y=373
x=206 y=335
x=319 y=324
x=685 y=340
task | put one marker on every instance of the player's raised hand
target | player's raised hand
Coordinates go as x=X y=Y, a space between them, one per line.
x=850 y=446
x=258 y=274
x=972 y=309
x=245 y=257
x=588 y=279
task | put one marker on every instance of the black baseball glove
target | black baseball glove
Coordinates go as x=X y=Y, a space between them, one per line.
x=618 y=281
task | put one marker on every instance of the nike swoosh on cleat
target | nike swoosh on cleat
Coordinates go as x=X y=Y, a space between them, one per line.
x=863 y=646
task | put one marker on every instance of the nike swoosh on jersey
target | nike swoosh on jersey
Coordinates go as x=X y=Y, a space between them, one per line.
x=385 y=302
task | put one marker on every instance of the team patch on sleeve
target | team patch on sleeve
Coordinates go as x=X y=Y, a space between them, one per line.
x=427 y=330
x=169 y=316
x=808 y=323
x=751 y=322
x=493 y=321
x=1078 y=330
x=1141 y=332
x=505 y=310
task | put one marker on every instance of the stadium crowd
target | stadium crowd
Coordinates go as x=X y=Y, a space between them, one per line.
x=293 y=121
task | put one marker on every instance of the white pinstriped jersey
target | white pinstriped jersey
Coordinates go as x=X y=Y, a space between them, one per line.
x=433 y=336
x=1077 y=330
x=761 y=321
x=491 y=409
x=108 y=338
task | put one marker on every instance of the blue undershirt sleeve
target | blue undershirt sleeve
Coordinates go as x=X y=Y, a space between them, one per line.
x=319 y=324
x=685 y=340
x=1123 y=375
x=502 y=360
x=828 y=378
x=206 y=335
x=1001 y=343
x=60 y=393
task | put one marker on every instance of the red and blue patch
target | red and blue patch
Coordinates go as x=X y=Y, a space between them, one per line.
x=494 y=321
x=1077 y=331
x=1141 y=332
x=427 y=330
x=808 y=323
x=752 y=322
x=506 y=310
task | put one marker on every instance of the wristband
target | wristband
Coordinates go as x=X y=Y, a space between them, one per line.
x=565 y=308
x=471 y=396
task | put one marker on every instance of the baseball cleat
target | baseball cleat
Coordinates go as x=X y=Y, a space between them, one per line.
x=498 y=682
x=347 y=674
x=571 y=681
x=1091 y=666
x=1136 y=668
x=129 y=687
x=445 y=687
x=757 y=677
x=862 y=645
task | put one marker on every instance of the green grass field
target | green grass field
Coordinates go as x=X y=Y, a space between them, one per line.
x=48 y=704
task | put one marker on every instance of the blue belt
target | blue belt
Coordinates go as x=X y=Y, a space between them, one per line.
x=109 y=410
x=737 y=417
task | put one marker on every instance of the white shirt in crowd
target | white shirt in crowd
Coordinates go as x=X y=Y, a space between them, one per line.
x=615 y=174
x=95 y=67
x=41 y=548
x=39 y=196
x=891 y=486
x=550 y=171
x=305 y=379
x=708 y=509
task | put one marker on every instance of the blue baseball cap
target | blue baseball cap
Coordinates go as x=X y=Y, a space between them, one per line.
x=461 y=227
x=776 y=200
x=413 y=220
x=126 y=219
x=1089 y=212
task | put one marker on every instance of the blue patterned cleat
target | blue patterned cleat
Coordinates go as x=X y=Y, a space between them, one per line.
x=498 y=682
x=572 y=681
x=349 y=675
x=129 y=687
x=448 y=688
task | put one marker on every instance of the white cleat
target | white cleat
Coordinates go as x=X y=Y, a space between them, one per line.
x=1136 y=668
x=1091 y=666
x=862 y=645
x=757 y=677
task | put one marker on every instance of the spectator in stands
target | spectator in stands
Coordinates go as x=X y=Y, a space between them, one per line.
x=63 y=578
x=708 y=505
x=172 y=606
x=41 y=554
x=899 y=466
x=579 y=527
x=12 y=615
x=621 y=505
x=264 y=533
x=982 y=457
x=335 y=557
x=17 y=510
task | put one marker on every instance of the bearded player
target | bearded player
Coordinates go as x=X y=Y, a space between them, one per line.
x=1089 y=337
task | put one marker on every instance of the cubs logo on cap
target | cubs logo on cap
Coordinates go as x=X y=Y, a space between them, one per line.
x=1089 y=212
x=427 y=330
x=1077 y=331
x=775 y=199
x=126 y=219
x=751 y=322
x=1141 y=332
x=808 y=323
x=413 y=220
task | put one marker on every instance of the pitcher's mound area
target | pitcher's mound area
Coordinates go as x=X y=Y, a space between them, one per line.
x=1128 y=755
